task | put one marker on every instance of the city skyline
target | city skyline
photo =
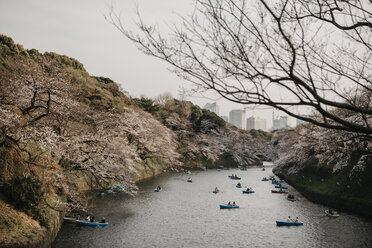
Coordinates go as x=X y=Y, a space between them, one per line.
x=255 y=121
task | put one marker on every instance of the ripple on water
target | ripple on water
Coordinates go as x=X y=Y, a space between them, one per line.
x=188 y=215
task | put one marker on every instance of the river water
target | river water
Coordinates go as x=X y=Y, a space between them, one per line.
x=187 y=215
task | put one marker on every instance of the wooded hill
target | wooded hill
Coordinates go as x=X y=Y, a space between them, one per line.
x=63 y=131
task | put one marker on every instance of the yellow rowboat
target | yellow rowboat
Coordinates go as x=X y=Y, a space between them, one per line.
x=333 y=214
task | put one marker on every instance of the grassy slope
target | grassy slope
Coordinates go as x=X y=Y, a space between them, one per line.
x=319 y=184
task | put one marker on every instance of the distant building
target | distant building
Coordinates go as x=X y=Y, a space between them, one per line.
x=213 y=107
x=256 y=123
x=225 y=118
x=237 y=118
x=280 y=123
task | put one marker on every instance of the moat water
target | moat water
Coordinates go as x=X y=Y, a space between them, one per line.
x=188 y=215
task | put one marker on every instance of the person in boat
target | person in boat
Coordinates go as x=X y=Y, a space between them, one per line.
x=103 y=220
x=239 y=185
x=158 y=188
x=234 y=204
x=229 y=204
x=289 y=219
x=87 y=218
x=216 y=189
x=92 y=219
x=330 y=211
x=296 y=221
x=280 y=190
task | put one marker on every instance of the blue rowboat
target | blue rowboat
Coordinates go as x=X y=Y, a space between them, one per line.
x=277 y=183
x=281 y=187
x=220 y=167
x=228 y=207
x=238 y=186
x=87 y=223
x=203 y=168
x=116 y=188
x=282 y=223
x=243 y=169
x=265 y=179
x=215 y=191
x=248 y=191
x=235 y=178
x=281 y=181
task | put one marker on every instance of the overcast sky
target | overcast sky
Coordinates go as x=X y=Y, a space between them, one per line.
x=78 y=29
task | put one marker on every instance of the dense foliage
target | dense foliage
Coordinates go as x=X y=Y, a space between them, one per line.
x=67 y=126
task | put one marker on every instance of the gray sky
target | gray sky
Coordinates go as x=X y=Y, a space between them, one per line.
x=79 y=30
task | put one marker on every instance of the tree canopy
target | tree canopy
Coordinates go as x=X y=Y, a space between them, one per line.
x=287 y=54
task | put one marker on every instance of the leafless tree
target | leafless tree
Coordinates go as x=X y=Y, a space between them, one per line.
x=315 y=54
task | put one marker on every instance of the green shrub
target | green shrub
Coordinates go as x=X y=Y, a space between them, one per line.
x=67 y=61
x=146 y=104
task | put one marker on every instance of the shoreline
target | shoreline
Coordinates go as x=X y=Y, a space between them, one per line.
x=333 y=201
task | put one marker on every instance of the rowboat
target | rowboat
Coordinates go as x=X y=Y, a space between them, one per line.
x=228 y=207
x=233 y=177
x=215 y=191
x=333 y=215
x=203 y=168
x=281 y=187
x=157 y=190
x=243 y=169
x=279 y=192
x=283 y=223
x=248 y=191
x=101 y=194
x=277 y=183
x=189 y=180
x=238 y=186
x=116 y=188
x=69 y=220
x=264 y=179
x=291 y=198
x=87 y=223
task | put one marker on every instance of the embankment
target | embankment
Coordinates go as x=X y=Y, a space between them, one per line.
x=339 y=190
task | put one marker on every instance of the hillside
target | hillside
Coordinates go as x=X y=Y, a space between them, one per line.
x=64 y=132
x=330 y=167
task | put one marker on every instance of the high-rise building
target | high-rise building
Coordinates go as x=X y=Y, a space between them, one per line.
x=237 y=118
x=213 y=107
x=225 y=118
x=280 y=123
x=256 y=123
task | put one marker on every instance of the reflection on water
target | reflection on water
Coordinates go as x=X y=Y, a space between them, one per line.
x=188 y=215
